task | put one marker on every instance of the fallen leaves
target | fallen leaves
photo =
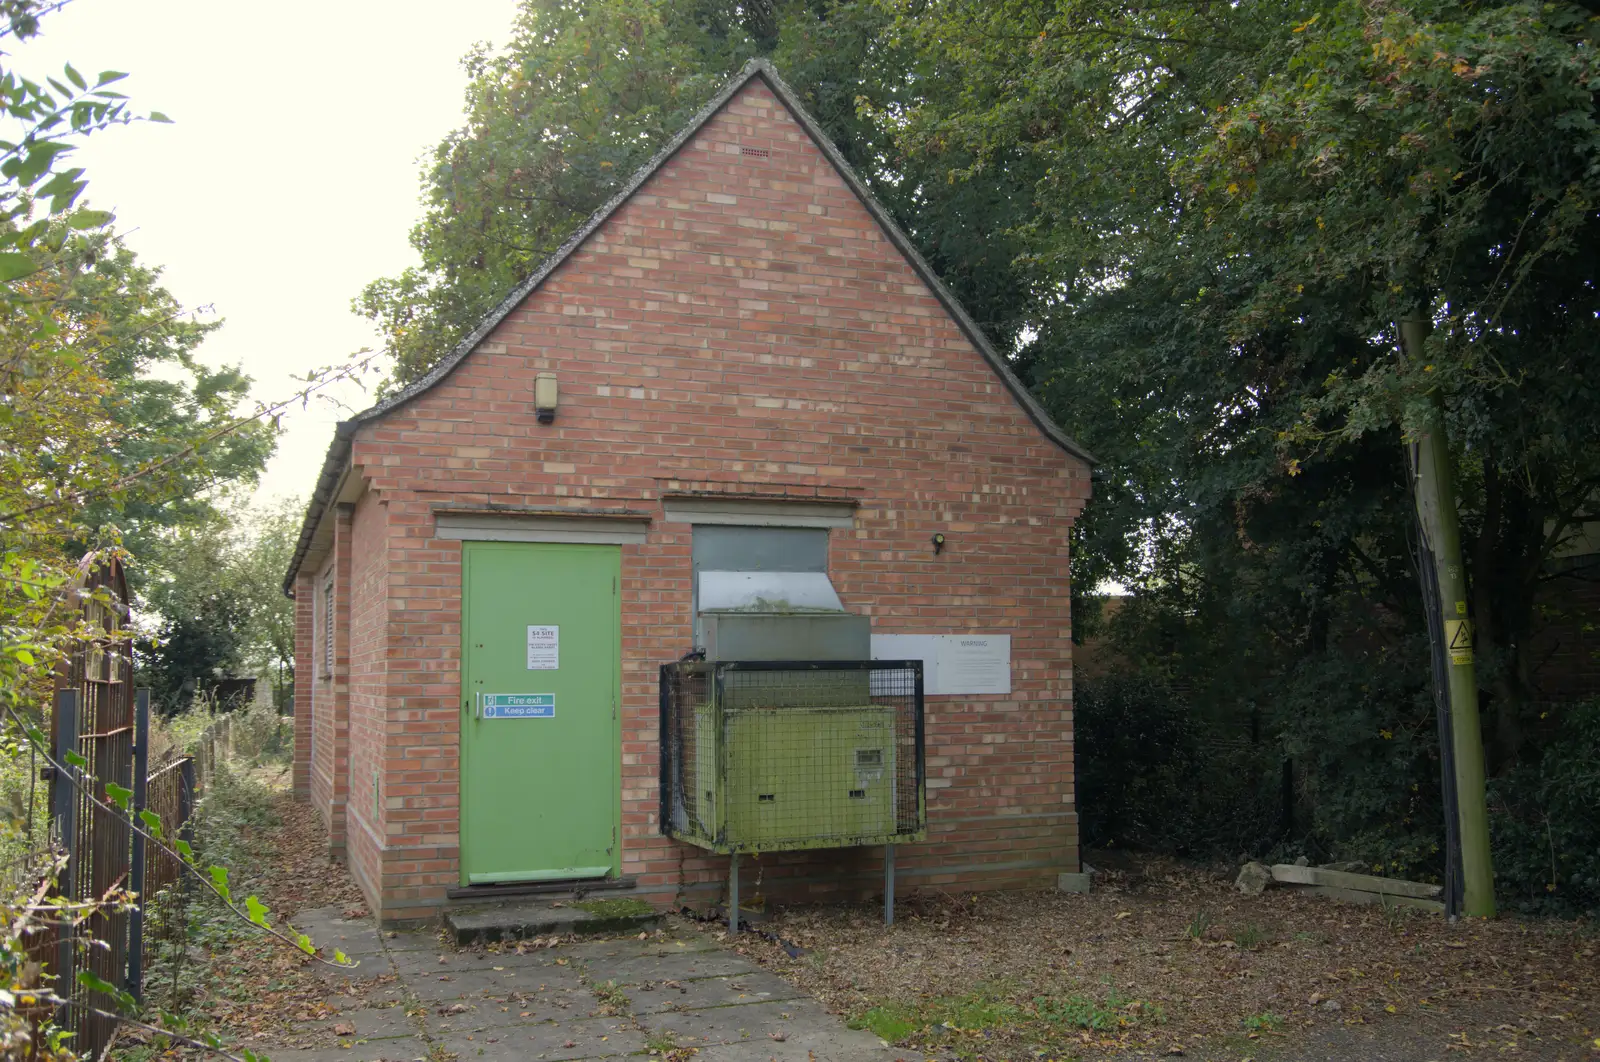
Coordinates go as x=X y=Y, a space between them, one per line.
x=1314 y=962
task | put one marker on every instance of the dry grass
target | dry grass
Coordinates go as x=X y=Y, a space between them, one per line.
x=1166 y=959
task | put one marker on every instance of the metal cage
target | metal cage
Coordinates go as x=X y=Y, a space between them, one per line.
x=766 y=756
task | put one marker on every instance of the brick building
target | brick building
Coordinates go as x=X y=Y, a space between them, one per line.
x=741 y=339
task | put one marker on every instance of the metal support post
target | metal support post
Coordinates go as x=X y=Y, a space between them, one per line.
x=141 y=795
x=888 y=884
x=733 y=893
x=64 y=810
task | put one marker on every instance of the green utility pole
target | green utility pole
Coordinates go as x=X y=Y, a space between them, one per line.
x=1433 y=490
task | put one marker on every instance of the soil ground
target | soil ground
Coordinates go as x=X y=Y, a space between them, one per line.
x=1166 y=960
x=1160 y=960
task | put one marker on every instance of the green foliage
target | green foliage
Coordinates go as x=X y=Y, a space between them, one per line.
x=1115 y=1012
x=1545 y=831
x=214 y=584
x=1143 y=753
x=618 y=908
x=888 y=1023
x=555 y=125
x=1263 y=1022
x=584 y=95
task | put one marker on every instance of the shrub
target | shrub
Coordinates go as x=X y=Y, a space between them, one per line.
x=1543 y=825
x=1143 y=755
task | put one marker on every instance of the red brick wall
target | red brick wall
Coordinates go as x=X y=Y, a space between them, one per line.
x=368 y=682
x=742 y=325
x=320 y=686
x=330 y=691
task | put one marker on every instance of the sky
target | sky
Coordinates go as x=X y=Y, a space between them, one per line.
x=290 y=177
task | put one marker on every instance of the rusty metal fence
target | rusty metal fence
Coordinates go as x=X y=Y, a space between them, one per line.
x=100 y=739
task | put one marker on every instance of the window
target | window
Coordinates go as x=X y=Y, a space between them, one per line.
x=327 y=628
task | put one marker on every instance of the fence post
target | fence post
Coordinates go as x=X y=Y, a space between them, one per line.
x=186 y=804
x=64 y=810
x=141 y=797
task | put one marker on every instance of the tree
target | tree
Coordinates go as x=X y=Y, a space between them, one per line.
x=1236 y=206
x=583 y=96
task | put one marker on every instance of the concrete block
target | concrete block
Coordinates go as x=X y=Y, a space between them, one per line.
x=1072 y=882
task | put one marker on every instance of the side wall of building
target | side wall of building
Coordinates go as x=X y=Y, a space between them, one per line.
x=304 y=687
x=370 y=653
x=324 y=673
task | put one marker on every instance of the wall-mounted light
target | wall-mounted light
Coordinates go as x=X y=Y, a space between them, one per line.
x=546 y=396
x=938 y=545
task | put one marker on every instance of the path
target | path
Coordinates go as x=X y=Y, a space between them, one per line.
x=412 y=998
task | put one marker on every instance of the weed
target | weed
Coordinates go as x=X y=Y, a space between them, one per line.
x=613 y=1000
x=1250 y=937
x=975 y=1013
x=1115 y=1012
x=661 y=1042
x=625 y=908
x=1263 y=1022
x=1397 y=914
x=888 y=1023
x=1304 y=937
x=1196 y=929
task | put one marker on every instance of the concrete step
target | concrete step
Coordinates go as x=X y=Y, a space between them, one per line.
x=518 y=920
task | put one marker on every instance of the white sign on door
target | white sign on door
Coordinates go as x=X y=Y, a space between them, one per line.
x=544 y=648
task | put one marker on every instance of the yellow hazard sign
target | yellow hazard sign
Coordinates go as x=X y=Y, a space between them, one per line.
x=1458 y=636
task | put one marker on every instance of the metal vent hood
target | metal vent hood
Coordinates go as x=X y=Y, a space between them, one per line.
x=778 y=615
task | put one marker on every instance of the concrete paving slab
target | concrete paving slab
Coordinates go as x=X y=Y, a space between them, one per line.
x=500 y=1006
x=410 y=940
x=756 y=986
x=551 y=1004
x=365 y=968
x=594 y=1038
x=372 y=1023
x=670 y=966
x=376 y=1051
x=633 y=947
x=434 y=962
x=486 y=984
x=329 y=930
x=356 y=995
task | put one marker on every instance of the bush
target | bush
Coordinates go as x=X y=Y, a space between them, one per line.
x=1543 y=823
x=261 y=735
x=1144 y=758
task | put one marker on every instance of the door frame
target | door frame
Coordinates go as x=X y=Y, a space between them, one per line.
x=527 y=533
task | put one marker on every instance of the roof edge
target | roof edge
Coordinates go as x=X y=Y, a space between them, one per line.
x=339 y=450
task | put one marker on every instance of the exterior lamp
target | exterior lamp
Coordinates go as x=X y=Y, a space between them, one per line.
x=545 y=397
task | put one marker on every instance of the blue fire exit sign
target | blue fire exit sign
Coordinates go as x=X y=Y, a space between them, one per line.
x=519 y=705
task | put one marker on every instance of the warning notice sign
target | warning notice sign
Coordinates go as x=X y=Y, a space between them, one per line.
x=1458 y=637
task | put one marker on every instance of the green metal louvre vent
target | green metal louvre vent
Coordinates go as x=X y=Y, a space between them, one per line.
x=761 y=757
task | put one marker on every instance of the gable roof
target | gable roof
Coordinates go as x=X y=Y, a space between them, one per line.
x=333 y=466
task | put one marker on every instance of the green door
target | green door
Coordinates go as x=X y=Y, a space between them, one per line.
x=540 y=680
